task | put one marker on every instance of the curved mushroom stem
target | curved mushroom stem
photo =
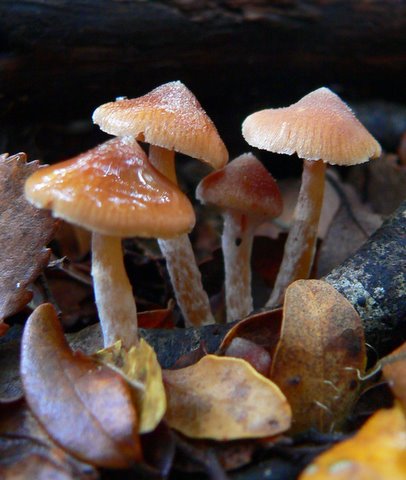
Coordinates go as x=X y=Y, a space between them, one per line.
x=301 y=242
x=113 y=293
x=180 y=259
x=236 y=242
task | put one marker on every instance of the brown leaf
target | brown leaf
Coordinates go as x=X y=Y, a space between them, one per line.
x=84 y=406
x=394 y=371
x=27 y=452
x=223 y=398
x=261 y=328
x=162 y=318
x=25 y=231
x=376 y=452
x=318 y=356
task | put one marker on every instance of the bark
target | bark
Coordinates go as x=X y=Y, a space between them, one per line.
x=94 y=51
x=374 y=281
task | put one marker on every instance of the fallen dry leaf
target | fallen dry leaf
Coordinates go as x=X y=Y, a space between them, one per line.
x=224 y=398
x=376 y=452
x=320 y=351
x=160 y=318
x=140 y=367
x=27 y=452
x=262 y=328
x=85 y=407
x=25 y=230
x=394 y=371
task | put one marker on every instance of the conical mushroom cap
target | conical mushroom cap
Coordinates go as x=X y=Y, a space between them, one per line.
x=244 y=185
x=320 y=126
x=114 y=190
x=169 y=116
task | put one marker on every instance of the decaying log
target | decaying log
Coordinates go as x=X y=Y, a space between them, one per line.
x=63 y=58
x=374 y=281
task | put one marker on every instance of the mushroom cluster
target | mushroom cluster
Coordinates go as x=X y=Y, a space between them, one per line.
x=115 y=190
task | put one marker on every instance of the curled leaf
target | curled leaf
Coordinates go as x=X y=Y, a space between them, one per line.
x=141 y=369
x=224 y=398
x=319 y=354
x=25 y=230
x=377 y=451
x=85 y=407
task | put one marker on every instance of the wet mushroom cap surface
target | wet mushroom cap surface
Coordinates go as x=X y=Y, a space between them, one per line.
x=170 y=117
x=320 y=126
x=244 y=185
x=113 y=190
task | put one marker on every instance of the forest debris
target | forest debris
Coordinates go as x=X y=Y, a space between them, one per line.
x=140 y=367
x=25 y=231
x=377 y=451
x=387 y=177
x=224 y=398
x=373 y=280
x=320 y=351
x=394 y=370
x=26 y=451
x=85 y=407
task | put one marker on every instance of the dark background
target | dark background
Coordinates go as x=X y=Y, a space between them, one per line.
x=60 y=59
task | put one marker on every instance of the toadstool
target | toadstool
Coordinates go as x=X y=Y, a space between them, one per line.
x=247 y=195
x=113 y=191
x=170 y=119
x=321 y=129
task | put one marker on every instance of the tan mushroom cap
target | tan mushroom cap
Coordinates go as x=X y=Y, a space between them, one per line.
x=320 y=126
x=169 y=116
x=114 y=190
x=244 y=185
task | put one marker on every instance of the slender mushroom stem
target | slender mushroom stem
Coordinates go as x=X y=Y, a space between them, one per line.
x=180 y=259
x=236 y=241
x=164 y=161
x=113 y=293
x=301 y=242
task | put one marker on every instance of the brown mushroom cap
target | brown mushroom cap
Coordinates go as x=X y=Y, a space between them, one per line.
x=114 y=190
x=169 y=116
x=244 y=185
x=320 y=126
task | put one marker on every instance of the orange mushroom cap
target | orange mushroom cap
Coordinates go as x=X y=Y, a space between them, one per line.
x=244 y=185
x=170 y=117
x=114 y=190
x=320 y=126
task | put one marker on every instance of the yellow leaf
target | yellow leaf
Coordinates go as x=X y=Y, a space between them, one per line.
x=376 y=452
x=141 y=369
x=224 y=398
x=319 y=353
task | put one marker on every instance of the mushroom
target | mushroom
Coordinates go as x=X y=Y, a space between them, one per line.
x=171 y=119
x=113 y=191
x=321 y=129
x=247 y=195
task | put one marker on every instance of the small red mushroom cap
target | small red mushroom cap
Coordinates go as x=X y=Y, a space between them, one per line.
x=114 y=190
x=244 y=185
x=320 y=126
x=170 y=117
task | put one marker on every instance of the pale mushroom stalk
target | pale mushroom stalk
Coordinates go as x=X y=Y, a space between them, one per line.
x=247 y=195
x=113 y=292
x=170 y=119
x=301 y=242
x=180 y=259
x=236 y=242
